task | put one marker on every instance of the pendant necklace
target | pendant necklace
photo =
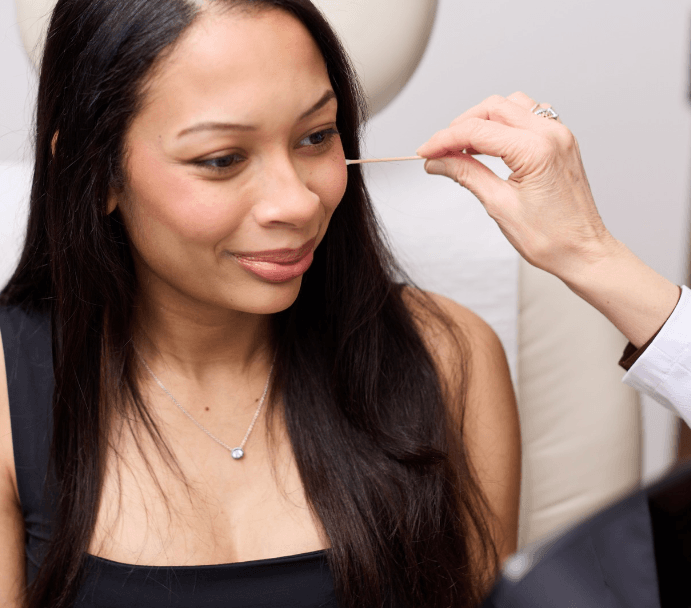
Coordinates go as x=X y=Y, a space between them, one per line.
x=237 y=452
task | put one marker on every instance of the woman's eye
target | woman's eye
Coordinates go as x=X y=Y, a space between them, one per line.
x=221 y=163
x=320 y=139
x=315 y=141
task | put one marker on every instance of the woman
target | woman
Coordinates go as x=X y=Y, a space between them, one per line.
x=202 y=266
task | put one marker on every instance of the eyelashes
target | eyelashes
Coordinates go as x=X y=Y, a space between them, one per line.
x=221 y=163
x=316 y=143
x=325 y=137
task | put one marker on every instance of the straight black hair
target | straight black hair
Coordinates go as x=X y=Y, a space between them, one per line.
x=367 y=411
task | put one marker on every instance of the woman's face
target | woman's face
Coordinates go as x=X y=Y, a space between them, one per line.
x=233 y=166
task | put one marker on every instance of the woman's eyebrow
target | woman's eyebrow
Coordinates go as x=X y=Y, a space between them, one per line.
x=324 y=100
x=215 y=126
x=226 y=126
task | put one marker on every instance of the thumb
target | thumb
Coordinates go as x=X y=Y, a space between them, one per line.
x=469 y=173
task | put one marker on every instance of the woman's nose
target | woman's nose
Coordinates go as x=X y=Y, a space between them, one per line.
x=285 y=197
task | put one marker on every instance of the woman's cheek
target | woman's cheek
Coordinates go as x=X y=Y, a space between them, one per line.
x=193 y=209
x=169 y=195
x=333 y=182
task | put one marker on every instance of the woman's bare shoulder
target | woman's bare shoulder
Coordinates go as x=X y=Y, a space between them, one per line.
x=462 y=343
x=452 y=330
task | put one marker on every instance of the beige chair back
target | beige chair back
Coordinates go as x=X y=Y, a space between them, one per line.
x=581 y=427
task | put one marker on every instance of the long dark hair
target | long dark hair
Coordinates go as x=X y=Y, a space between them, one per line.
x=379 y=453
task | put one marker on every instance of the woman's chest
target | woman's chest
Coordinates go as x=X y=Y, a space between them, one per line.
x=204 y=507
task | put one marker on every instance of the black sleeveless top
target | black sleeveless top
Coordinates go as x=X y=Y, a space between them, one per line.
x=295 y=581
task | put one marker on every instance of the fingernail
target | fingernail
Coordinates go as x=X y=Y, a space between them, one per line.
x=436 y=167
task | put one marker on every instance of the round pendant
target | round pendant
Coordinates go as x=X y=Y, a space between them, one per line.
x=237 y=453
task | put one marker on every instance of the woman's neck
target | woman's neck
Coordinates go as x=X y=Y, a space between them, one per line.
x=197 y=340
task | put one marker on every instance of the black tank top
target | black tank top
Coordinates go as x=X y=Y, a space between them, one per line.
x=295 y=581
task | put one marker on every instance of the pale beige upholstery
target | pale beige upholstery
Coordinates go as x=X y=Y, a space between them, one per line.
x=580 y=426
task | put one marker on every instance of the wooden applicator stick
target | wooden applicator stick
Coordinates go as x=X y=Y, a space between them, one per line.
x=382 y=160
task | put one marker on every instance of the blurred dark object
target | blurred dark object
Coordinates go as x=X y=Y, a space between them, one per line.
x=633 y=554
x=669 y=505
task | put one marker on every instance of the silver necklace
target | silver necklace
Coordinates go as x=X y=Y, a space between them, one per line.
x=238 y=452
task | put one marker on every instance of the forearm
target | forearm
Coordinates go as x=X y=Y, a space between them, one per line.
x=634 y=297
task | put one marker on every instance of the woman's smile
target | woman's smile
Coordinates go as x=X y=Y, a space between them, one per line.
x=278 y=265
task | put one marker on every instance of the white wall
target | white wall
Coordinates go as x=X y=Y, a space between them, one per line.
x=17 y=91
x=615 y=70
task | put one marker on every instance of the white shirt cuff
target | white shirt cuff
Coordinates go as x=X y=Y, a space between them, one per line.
x=663 y=370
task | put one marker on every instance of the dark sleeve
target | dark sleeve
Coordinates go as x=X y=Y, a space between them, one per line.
x=632 y=353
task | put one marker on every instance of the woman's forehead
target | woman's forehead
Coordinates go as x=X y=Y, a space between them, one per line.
x=244 y=67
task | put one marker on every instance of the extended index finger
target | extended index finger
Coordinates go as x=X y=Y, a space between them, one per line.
x=498 y=109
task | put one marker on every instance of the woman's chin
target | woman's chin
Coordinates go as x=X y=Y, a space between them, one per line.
x=269 y=297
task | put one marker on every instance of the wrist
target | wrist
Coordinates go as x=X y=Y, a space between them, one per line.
x=634 y=297
x=592 y=262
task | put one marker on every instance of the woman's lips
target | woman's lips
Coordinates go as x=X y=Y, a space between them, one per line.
x=277 y=265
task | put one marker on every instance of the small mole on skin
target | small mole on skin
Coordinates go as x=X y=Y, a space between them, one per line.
x=206 y=409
